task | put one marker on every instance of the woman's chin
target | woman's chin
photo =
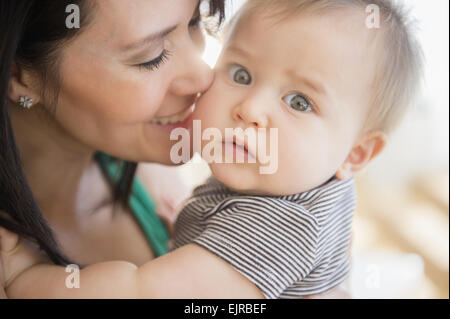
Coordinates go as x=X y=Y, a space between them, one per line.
x=165 y=158
x=160 y=149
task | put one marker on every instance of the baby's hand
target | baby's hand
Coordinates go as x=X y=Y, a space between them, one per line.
x=16 y=256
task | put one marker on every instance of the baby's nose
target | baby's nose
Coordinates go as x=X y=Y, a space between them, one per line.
x=251 y=113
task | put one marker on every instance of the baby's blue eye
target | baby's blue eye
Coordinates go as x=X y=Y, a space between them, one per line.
x=298 y=102
x=240 y=75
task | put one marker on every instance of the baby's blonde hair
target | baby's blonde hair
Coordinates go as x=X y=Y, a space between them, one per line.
x=399 y=70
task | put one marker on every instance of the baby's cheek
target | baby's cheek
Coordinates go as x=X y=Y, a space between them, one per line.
x=302 y=166
x=200 y=113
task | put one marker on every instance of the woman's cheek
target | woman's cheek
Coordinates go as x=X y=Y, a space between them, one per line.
x=138 y=103
x=148 y=100
x=120 y=95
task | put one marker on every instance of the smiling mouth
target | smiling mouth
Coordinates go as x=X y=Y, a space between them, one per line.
x=174 y=119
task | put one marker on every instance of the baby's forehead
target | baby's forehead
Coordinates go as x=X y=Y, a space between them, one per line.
x=344 y=23
x=337 y=34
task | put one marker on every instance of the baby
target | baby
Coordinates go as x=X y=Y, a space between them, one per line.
x=333 y=87
x=334 y=83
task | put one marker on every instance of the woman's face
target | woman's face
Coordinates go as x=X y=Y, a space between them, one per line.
x=138 y=61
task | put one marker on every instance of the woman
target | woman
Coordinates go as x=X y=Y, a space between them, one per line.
x=93 y=88
x=70 y=97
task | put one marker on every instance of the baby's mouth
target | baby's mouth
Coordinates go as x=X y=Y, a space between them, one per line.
x=240 y=145
x=175 y=118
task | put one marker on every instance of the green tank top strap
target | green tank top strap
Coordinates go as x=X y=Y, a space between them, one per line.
x=142 y=206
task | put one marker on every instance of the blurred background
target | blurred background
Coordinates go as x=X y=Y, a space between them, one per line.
x=401 y=226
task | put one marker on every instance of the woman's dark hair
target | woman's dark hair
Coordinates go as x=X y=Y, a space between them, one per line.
x=31 y=31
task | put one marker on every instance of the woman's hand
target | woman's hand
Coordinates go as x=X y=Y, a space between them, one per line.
x=16 y=256
x=8 y=241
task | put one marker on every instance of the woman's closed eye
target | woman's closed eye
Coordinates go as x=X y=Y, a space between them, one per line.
x=298 y=102
x=157 y=62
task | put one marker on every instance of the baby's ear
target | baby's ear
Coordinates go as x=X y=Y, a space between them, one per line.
x=365 y=150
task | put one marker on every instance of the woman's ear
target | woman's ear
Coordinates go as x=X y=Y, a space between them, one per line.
x=22 y=83
x=365 y=150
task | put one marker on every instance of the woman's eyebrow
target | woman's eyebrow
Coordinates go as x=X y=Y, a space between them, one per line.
x=149 y=39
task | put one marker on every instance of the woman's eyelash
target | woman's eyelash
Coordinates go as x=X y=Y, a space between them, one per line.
x=156 y=63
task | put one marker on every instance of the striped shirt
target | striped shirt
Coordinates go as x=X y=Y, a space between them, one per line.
x=288 y=246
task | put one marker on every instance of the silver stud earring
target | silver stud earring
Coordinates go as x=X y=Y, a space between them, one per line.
x=25 y=102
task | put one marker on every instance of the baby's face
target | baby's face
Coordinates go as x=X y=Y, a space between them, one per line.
x=310 y=77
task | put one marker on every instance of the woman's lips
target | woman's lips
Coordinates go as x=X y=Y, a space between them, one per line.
x=182 y=119
x=175 y=118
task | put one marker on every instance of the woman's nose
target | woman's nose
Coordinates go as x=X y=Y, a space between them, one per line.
x=195 y=76
x=251 y=112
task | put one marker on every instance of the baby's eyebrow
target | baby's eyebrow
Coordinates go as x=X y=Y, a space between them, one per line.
x=312 y=84
x=238 y=50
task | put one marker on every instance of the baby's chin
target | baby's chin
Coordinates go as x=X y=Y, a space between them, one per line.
x=244 y=179
x=238 y=177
